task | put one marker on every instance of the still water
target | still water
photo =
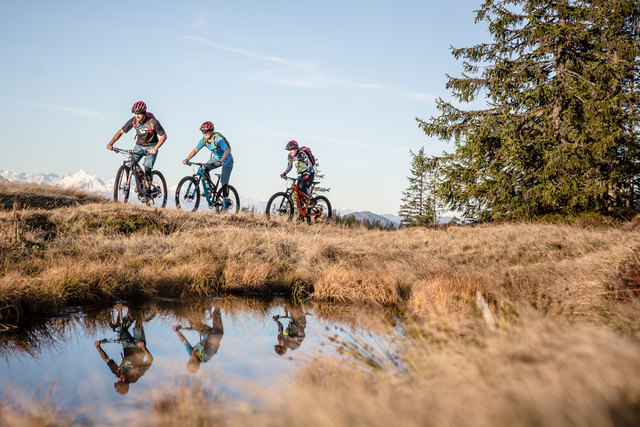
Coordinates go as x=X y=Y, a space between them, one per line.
x=102 y=362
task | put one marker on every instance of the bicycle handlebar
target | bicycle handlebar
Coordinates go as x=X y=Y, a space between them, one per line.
x=288 y=178
x=121 y=150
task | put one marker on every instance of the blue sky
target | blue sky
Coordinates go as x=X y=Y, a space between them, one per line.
x=346 y=78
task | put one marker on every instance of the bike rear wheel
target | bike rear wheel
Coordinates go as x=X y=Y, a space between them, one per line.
x=122 y=185
x=187 y=194
x=279 y=205
x=233 y=206
x=319 y=210
x=158 y=194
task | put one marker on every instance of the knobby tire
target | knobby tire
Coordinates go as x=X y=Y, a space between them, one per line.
x=186 y=198
x=280 y=205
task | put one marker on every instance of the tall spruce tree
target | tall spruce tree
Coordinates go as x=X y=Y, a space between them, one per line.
x=561 y=127
x=418 y=204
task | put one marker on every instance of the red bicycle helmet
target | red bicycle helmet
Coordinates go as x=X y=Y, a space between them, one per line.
x=291 y=145
x=206 y=126
x=139 y=108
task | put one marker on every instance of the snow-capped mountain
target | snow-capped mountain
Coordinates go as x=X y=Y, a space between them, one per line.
x=27 y=178
x=93 y=184
x=78 y=180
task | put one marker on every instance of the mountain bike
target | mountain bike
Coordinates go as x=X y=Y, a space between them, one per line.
x=312 y=209
x=120 y=325
x=156 y=195
x=188 y=192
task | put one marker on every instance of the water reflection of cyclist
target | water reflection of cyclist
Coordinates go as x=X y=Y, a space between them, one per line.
x=136 y=358
x=304 y=166
x=207 y=347
x=292 y=336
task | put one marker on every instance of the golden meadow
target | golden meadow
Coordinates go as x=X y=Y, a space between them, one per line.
x=507 y=324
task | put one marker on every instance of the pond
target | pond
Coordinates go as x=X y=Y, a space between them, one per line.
x=101 y=362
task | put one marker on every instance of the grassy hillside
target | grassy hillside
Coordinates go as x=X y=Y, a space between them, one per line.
x=30 y=196
x=99 y=252
x=510 y=324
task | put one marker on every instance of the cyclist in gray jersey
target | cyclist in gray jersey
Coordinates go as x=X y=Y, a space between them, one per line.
x=150 y=136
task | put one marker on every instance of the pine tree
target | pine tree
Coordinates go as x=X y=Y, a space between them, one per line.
x=418 y=203
x=560 y=134
x=318 y=176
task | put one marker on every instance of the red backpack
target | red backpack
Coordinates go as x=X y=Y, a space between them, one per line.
x=307 y=151
x=149 y=117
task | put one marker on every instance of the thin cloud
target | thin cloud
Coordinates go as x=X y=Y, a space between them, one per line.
x=338 y=141
x=314 y=78
x=255 y=55
x=321 y=81
x=82 y=112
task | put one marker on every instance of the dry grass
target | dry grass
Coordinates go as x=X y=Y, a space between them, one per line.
x=31 y=196
x=24 y=412
x=96 y=253
x=538 y=373
x=563 y=301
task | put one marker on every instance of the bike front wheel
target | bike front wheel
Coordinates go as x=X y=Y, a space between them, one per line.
x=319 y=209
x=158 y=193
x=122 y=185
x=187 y=194
x=233 y=202
x=280 y=205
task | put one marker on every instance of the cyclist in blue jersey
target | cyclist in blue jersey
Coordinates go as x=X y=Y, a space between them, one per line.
x=220 y=156
x=150 y=136
x=304 y=166
x=210 y=337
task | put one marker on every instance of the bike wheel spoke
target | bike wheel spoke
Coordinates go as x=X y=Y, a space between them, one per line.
x=187 y=195
x=279 y=205
x=319 y=210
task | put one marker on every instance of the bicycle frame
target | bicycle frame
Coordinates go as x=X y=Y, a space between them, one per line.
x=201 y=180
x=135 y=169
x=301 y=199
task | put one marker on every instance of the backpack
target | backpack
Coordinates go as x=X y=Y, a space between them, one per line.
x=149 y=127
x=307 y=151
x=216 y=134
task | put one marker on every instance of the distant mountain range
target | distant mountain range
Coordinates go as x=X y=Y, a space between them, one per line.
x=384 y=220
x=79 y=180
x=93 y=184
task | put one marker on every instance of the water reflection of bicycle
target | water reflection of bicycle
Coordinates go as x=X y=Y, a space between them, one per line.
x=293 y=335
x=209 y=343
x=136 y=358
